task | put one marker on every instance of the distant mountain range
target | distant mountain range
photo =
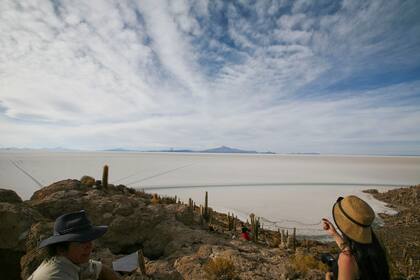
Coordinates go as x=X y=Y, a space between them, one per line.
x=224 y=149
x=55 y=149
x=218 y=150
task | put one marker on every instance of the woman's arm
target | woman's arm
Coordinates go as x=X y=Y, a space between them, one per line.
x=346 y=266
x=345 y=263
x=330 y=229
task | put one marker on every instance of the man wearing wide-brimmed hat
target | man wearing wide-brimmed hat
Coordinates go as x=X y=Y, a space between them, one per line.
x=69 y=250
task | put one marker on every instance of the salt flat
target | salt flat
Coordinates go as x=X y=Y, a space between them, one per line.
x=290 y=190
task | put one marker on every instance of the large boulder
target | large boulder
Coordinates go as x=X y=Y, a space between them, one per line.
x=68 y=184
x=15 y=222
x=34 y=256
x=9 y=196
x=58 y=203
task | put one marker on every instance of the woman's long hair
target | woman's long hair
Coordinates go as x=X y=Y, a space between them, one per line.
x=371 y=259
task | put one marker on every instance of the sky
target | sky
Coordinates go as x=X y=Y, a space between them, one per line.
x=334 y=77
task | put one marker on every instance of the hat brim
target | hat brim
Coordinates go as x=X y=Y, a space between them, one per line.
x=355 y=232
x=84 y=236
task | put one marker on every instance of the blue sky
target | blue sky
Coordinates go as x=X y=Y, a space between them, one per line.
x=285 y=76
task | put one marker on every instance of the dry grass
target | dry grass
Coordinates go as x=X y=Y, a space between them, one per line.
x=303 y=263
x=220 y=269
x=155 y=199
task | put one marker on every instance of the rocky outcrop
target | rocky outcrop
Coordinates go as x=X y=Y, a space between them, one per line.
x=401 y=231
x=16 y=219
x=9 y=196
x=175 y=242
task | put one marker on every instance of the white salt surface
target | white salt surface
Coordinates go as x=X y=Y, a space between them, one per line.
x=281 y=207
x=291 y=190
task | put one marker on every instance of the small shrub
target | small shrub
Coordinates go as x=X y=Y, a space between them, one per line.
x=220 y=269
x=303 y=263
x=155 y=199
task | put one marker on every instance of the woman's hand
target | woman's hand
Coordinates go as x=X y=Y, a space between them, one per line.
x=329 y=227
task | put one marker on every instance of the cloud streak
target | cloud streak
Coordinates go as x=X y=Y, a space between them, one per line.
x=336 y=77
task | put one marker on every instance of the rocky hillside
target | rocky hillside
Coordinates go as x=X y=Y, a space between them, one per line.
x=174 y=240
x=401 y=233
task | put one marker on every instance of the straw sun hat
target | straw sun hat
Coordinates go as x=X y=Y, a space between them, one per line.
x=354 y=218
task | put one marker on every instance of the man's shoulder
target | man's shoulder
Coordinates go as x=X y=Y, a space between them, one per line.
x=53 y=269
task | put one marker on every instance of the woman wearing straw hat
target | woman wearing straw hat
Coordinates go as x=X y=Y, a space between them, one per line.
x=69 y=250
x=361 y=256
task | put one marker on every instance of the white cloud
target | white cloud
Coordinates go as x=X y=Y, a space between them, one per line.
x=102 y=74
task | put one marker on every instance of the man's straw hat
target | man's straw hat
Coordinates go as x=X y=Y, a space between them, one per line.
x=354 y=218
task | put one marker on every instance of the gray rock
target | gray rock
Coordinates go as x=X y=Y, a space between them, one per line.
x=9 y=196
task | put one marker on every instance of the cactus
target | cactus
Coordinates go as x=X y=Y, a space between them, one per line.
x=210 y=215
x=289 y=241
x=204 y=210
x=282 y=238
x=255 y=225
x=252 y=218
x=257 y=229
x=231 y=222
x=206 y=207
x=191 y=205
x=105 y=177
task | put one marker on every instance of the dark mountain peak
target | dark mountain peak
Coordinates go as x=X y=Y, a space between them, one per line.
x=225 y=149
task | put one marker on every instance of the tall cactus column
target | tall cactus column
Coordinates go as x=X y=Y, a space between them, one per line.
x=231 y=222
x=191 y=205
x=257 y=228
x=105 y=177
x=282 y=239
x=206 y=207
x=255 y=225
